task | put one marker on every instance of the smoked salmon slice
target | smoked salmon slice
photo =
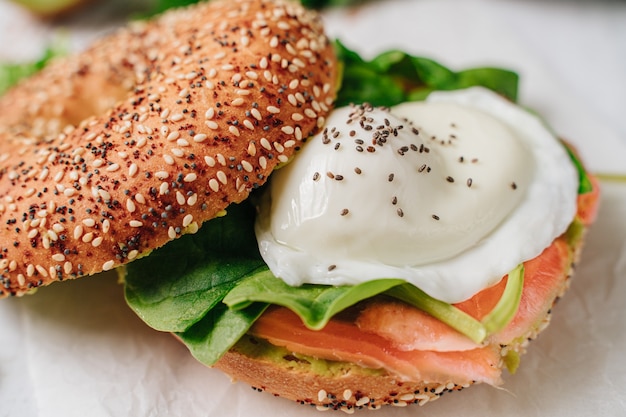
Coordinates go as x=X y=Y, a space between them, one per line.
x=344 y=341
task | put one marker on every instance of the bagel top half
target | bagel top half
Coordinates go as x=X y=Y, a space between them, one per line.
x=211 y=99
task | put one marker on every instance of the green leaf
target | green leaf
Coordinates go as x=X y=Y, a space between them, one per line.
x=394 y=76
x=584 y=183
x=447 y=313
x=315 y=304
x=218 y=331
x=179 y=283
x=11 y=74
x=507 y=306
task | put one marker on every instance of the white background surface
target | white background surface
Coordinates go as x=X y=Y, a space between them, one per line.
x=75 y=349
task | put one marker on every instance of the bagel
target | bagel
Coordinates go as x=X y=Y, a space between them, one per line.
x=111 y=153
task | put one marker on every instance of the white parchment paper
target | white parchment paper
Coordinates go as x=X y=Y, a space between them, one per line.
x=75 y=349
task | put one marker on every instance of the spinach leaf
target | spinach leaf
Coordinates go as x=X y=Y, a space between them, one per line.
x=395 y=76
x=218 y=331
x=178 y=284
x=315 y=304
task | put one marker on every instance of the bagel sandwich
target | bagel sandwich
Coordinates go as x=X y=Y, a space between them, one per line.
x=127 y=170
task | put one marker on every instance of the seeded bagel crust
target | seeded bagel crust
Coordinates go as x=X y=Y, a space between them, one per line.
x=213 y=97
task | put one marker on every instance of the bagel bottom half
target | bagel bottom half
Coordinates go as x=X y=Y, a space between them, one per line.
x=340 y=385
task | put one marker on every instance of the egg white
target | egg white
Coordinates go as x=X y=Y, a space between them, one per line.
x=304 y=238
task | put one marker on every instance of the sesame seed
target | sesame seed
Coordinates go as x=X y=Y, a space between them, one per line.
x=133 y=169
x=237 y=102
x=256 y=114
x=273 y=109
x=247 y=166
x=434 y=216
x=222 y=177
x=168 y=159
x=180 y=198
x=97 y=241
x=211 y=124
x=210 y=161
x=41 y=270
x=187 y=220
x=469 y=182
x=400 y=212
x=287 y=130
x=279 y=147
x=87 y=237
x=171 y=233
x=214 y=185
x=173 y=136
x=449 y=179
x=233 y=130
x=345 y=212
x=201 y=137
x=190 y=177
x=108 y=265
x=58 y=257
x=135 y=223
x=347 y=394
x=321 y=395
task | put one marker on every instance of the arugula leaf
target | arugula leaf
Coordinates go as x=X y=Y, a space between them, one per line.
x=315 y=304
x=394 y=76
x=218 y=331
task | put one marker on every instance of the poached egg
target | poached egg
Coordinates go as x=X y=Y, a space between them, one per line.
x=449 y=194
